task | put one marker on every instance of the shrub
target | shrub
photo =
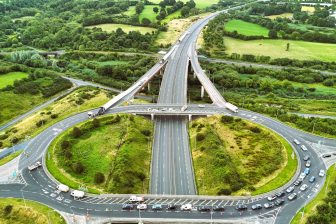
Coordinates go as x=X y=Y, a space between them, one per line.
x=76 y=132
x=40 y=123
x=1 y=144
x=78 y=167
x=8 y=209
x=68 y=154
x=3 y=137
x=14 y=140
x=200 y=137
x=65 y=144
x=95 y=123
x=146 y=132
x=224 y=191
x=255 y=129
x=54 y=116
x=227 y=119
x=99 y=178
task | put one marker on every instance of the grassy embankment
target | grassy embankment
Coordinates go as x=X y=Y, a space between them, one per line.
x=82 y=99
x=239 y=158
x=310 y=208
x=109 y=27
x=9 y=78
x=27 y=212
x=201 y=4
x=120 y=149
x=9 y=157
x=246 y=28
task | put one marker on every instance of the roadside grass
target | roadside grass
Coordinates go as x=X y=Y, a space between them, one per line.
x=117 y=148
x=283 y=15
x=148 y=13
x=112 y=62
x=80 y=100
x=109 y=27
x=310 y=9
x=310 y=208
x=323 y=107
x=9 y=78
x=232 y=159
x=201 y=4
x=246 y=28
x=277 y=49
x=28 y=212
x=10 y=157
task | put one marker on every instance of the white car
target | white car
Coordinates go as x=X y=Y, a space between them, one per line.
x=186 y=207
x=321 y=173
x=304 y=148
x=142 y=207
x=308 y=163
x=303 y=187
x=201 y=105
x=290 y=189
x=296 y=142
x=302 y=176
x=272 y=197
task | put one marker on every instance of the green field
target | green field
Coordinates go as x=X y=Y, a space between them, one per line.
x=126 y=28
x=9 y=157
x=112 y=62
x=238 y=157
x=9 y=78
x=300 y=50
x=118 y=148
x=148 y=13
x=310 y=208
x=28 y=212
x=246 y=28
x=201 y=4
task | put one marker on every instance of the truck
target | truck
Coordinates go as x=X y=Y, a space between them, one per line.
x=135 y=198
x=77 y=194
x=231 y=107
x=91 y=114
x=62 y=188
x=34 y=166
x=184 y=108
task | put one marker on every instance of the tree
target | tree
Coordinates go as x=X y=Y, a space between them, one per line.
x=65 y=144
x=328 y=82
x=287 y=48
x=185 y=11
x=146 y=21
x=191 y=4
x=139 y=8
x=272 y=34
x=95 y=123
x=156 y=10
x=76 y=132
x=99 y=178
x=78 y=167
x=8 y=209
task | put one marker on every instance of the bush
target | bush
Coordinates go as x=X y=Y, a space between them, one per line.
x=99 y=178
x=224 y=191
x=255 y=129
x=146 y=132
x=40 y=123
x=78 y=167
x=14 y=140
x=200 y=137
x=3 y=137
x=227 y=119
x=1 y=144
x=95 y=123
x=68 y=154
x=65 y=144
x=8 y=209
x=76 y=132
x=54 y=116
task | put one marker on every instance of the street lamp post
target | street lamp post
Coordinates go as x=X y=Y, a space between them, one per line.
x=24 y=200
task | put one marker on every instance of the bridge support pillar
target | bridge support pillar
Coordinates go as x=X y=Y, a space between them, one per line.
x=149 y=86
x=194 y=75
x=202 y=92
x=161 y=72
x=189 y=117
x=152 y=117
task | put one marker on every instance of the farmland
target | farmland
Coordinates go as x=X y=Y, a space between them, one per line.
x=126 y=28
x=246 y=28
x=9 y=78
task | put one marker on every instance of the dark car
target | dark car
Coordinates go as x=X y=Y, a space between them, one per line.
x=298 y=182
x=171 y=207
x=204 y=208
x=256 y=207
x=280 y=194
x=218 y=208
x=127 y=206
x=241 y=207
x=279 y=202
x=326 y=155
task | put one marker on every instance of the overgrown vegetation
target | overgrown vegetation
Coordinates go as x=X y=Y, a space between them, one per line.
x=232 y=156
x=121 y=144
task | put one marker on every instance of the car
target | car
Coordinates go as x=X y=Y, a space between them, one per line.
x=308 y=163
x=334 y=153
x=171 y=207
x=218 y=208
x=186 y=207
x=201 y=105
x=127 y=207
x=307 y=171
x=204 y=208
x=272 y=197
x=298 y=182
x=326 y=155
x=321 y=173
x=134 y=198
x=157 y=207
x=292 y=197
x=269 y=205
x=279 y=202
x=312 y=179
x=38 y=164
x=306 y=158
x=256 y=207
x=296 y=142
x=142 y=207
x=280 y=194
x=303 y=147
x=241 y=207
x=171 y=109
x=290 y=189
x=303 y=187
x=302 y=176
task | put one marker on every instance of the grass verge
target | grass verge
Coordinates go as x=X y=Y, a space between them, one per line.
x=19 y=212
x=246 y=28
x=9 y=78
x=126 y=28
x=10 y=157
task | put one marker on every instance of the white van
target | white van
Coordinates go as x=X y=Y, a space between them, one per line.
x=63 y=188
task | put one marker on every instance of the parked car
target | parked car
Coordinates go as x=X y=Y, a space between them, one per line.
x=186 y=207
x=142 y=207
x=298 y=182
x=321 y=173
x=218 y=208
x=312 y=179
x=127 y=207
x=269 y=205
x=303 y=187
x=157 y=207
x=256 y=207
x=307 y=171
x=302 y=176
x=292 y=197
x=279 y=202
x=241 y=207
x=204 y=208
x=308 y=163
x=171 y=207
x=272 y=197
x=280 y=194
x=290 y=189
x=306 y=158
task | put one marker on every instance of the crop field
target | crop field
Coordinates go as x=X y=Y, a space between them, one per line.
x=28 y=212
x=121 y=144
x=283 y=15
x=126 y=28
x=201 y=4
x=300 y=50
x=9 y=78
x=241 y=158
x=246 y=28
